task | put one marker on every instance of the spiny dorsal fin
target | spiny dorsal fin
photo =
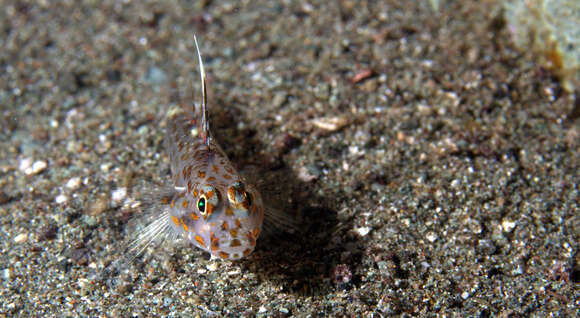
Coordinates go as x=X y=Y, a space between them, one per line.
x=204 y=125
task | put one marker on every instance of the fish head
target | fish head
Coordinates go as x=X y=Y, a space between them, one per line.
x=224 y=219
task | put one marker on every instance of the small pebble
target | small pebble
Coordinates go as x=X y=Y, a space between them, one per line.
x=362 y=75
x=235 y=272
x=212 y=267
x=279 y=99
x=90 y=220
x=508 y=225
x=475 y=226
x=167 y=301
x=73 y=183
x=455 y=183
x=486 y=247
x=363 y=231
x=284 y=310
x=305 y=175
x=80 y=255
x=30 y=168
x=25 y=164
x=60 y=199
x=99 y=205
x=84 y=285
x=105 y=167
x=36 y=168
x=7 y=273
x=431 y=237
x=330 y=124
x=21 y=238
x=119 y=194
x=47 y=232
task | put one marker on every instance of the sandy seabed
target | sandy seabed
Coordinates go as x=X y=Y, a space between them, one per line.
x=432 y=167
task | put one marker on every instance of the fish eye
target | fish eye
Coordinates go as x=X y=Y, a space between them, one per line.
x=201 y=204
x=238 y=196
x=208 y=200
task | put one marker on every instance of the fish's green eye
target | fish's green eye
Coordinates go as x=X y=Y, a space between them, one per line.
x=201 y=205
x=208 y=200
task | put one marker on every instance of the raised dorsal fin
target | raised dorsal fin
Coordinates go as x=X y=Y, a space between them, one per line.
x=204 y=124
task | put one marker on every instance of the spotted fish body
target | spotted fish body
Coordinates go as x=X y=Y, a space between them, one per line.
x=209 y=204
x=213 y=207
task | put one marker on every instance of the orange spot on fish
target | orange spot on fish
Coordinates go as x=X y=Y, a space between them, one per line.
x=175 y=220
x=229 y=211
x=201 y=174
x=225 y=226
x=215 y=244
x=185 y=204
x=200 y=240
x=215 y=169
x=194 y=216
x=234 y=232
x=235 y=243
x=238 y=223
x=224 y=255
x=256 y=232
x=251 y=238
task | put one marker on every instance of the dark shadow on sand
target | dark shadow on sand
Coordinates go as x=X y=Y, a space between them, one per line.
x=317 y=255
